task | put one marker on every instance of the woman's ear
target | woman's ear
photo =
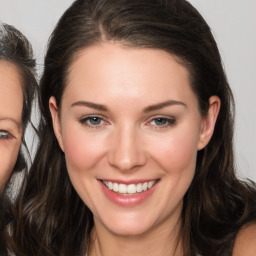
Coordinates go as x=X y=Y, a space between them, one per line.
x=209 y=121
x=56 y=121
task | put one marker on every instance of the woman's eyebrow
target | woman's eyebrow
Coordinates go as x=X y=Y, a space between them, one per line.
x=10 y=119
x=147 y=109
x=90 y=105
x=164 y=104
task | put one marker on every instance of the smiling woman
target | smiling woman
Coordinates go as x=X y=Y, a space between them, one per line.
x=136 y=155
x=140 y=152
x=133 y=137
x=17 y=88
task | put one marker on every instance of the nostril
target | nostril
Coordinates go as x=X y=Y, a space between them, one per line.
x=125 y=152
x=127 y=163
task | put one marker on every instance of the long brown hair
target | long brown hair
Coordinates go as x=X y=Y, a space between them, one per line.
x=53 y=219
x=16 y=49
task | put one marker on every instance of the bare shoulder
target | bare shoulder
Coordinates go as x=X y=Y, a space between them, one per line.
x=245 y=243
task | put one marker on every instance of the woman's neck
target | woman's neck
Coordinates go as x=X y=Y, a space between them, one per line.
x=165 y=240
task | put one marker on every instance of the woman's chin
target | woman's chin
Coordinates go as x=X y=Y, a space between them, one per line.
x=126 y=226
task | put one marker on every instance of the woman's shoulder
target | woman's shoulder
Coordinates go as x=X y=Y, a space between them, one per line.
x=245 y=242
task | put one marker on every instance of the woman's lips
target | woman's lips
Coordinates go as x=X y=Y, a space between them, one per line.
x=129 y=194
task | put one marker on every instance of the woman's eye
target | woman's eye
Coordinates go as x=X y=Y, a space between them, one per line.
x=92 y=121
x=162 y=122
x=4 y=134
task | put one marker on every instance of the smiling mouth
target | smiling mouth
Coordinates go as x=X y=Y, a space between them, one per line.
x=131 y=189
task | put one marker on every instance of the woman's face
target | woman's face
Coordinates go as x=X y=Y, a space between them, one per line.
x=11 y=103
x=130 y=128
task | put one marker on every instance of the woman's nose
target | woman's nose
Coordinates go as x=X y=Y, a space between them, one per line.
x=126 y=152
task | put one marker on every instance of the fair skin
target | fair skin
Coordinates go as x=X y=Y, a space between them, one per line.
x=245 y=243
x=11 y=102
x=130 y=119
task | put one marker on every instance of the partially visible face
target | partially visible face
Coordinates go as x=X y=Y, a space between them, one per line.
x=130 y=128
x=11 y=103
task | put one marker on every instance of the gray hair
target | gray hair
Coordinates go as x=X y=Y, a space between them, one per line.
x=3 y=31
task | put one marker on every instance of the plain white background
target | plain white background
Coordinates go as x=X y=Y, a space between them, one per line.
x=233 y=25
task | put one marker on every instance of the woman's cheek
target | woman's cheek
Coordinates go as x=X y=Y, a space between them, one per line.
x=8 y=155
x=82 y=150
x=175 y=153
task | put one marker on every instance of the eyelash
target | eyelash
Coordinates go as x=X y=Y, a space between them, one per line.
x=168 y=122
x=4 y=135
x=85 y=121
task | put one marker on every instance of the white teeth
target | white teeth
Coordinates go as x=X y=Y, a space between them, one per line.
x=129 y=189
x=109 y=185
x=150 y=184
x=122 y=188
x=139 y=187
x=115 y=187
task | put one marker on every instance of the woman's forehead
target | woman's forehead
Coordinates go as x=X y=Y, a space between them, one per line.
x=11 y=94
x=114 y=68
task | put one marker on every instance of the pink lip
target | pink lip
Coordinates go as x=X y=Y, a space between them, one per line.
x=127 y=201
x=129 y=181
